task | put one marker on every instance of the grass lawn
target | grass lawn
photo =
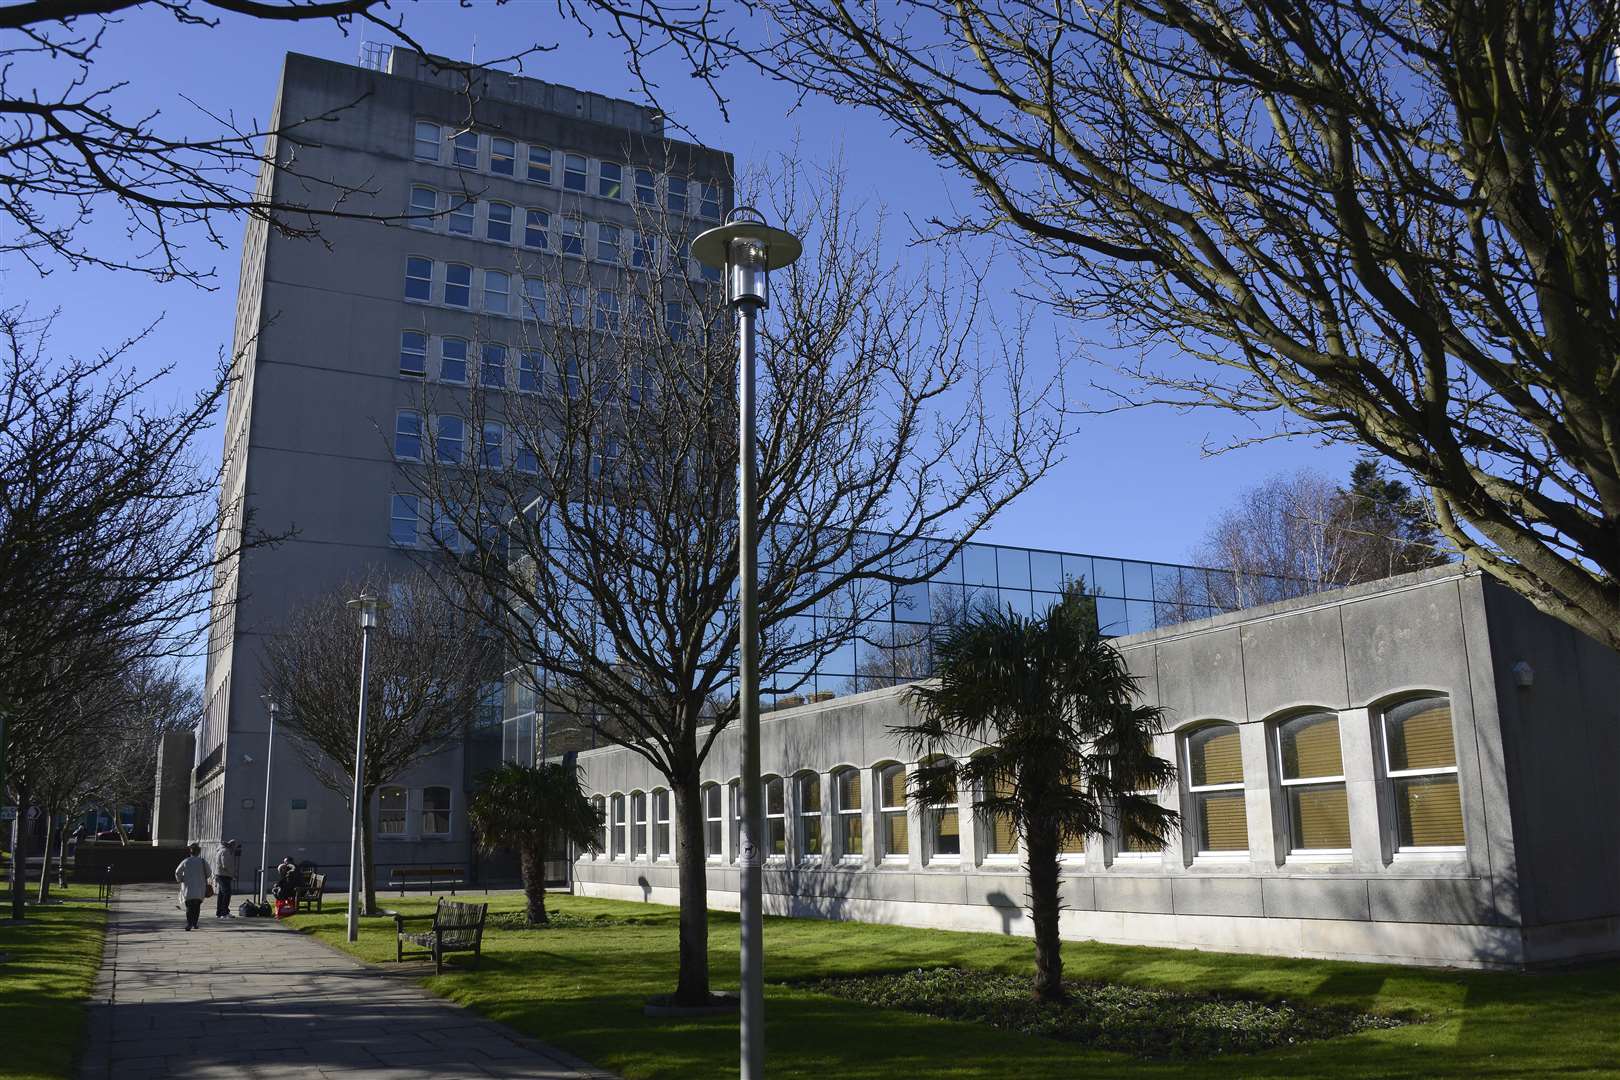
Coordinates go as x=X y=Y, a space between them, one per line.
x=582 y=989
x=53 y=957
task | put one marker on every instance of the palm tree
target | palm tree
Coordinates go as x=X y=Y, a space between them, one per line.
x=1070 y=745
x=525 y=807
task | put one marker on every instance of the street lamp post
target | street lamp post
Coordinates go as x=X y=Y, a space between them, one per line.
x=747 y=250
x=264 y=833
x=370 y=610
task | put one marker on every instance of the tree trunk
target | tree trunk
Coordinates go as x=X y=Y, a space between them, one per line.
x=692 y=983
x=1041 y=847
x=532 y=864
x=368 y=869
x=19 y=858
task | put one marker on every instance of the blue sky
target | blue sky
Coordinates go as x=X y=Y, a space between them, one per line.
x=1135 y=484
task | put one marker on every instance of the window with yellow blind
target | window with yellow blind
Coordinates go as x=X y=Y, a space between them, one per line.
x=847 y=805
x=1310 y=767
x=1214 y=770
x=775 y=818
x=807 y=790
x=1136 y=847
x=1072 y=848
x=1420 y=761
x=1001 y=836
x=893 y=841
x=944 y=830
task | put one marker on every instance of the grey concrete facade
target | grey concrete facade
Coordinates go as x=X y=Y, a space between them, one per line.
x=319 y=337
x=1534 y=712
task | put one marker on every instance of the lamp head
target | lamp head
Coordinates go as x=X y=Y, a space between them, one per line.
x=746 y=249
x=370 y=610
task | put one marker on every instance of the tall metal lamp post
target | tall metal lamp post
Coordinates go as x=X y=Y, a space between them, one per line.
x=264 y=833
x=370 y=610
x=747 y=250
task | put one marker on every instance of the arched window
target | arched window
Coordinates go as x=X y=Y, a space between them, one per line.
x=1420 y=769
x=435 y=811
x=1213 y=766
x=1000 y=832
x=621 y=843
x=1072 y=848
x=713 y=820
x=943 y=830
x=847 y=806
x=599 y=804
x=893 y=841
x=638 y=824
x=1310 y=768
x=660 y=847
x=807 y=793
x=775 y=818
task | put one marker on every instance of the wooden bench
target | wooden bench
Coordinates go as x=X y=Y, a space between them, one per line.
x=457 y=927
x=430 y=876
x=311 y=890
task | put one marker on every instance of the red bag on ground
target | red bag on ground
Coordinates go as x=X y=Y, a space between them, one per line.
x=286 y=907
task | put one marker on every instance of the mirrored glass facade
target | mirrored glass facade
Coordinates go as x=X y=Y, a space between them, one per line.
x=1131 y=595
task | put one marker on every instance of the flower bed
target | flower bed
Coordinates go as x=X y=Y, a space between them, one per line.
x=1145 y=1022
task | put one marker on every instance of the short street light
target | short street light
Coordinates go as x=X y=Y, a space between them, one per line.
x=747 y=250
x=370 y=609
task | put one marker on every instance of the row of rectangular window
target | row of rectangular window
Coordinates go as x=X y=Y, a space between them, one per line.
x=452 y=284
x=1418 y=779
x=534 y=163
x=394 y=812
x=494 y=372
x=531 y=227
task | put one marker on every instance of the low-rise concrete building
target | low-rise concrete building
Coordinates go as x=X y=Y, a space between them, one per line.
x=1418 y=770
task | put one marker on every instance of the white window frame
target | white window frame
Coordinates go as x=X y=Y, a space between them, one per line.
x=638 y=825
x=414 y=262
x=466 y=305
x=498 y=441
x=403 y=507
x=534 y=300
x=986 y=821
x=599 y=804
x=1390 y=776
x=605 y=312
x=645 y=194
x=509 y=155
x=603 y=183
x=671 y=194
x=439 y=439
x=614 y=247
x=494 y=221
x=780 y=817
x=884 y=810
x=531 y=368
x=1136 y=857
x=932 y=815
x=1194 y=795
x=459 y=147
x=497 y=294
x=583 y=172
x=538 y=161
x=663 y=848
x=734 y=801
x=537 y=223
x=620 y=827
x=571 y=234
x=803 y=818
x=462 y=218
x=714 y=821
x=844 y=814
x=400 y=431
x=465 y=359
x=423 y=212
x=419 y=142
x=1295 y=854
x=707 y=188
x=421 y=354
x=423 y=812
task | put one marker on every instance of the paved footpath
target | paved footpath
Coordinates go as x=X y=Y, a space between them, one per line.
x=248 y=998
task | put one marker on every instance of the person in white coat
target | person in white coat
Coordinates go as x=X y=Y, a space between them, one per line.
x=192 y=874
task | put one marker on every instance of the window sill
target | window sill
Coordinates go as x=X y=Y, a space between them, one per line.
x=1220 y=858
x=951 y=862
x=1434 y=854
x=1318 y=856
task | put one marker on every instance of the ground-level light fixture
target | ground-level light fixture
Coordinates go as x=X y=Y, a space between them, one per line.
x=747 y=250
x=370 y=610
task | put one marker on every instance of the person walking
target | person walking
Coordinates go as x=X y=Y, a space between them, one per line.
x=226 y=867
x=192 y=874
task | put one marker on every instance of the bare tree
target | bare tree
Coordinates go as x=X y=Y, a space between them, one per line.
x=1379 y=221
x=110 y=532
x=148 y=701
x=428 y=664
x=604 y=532
x=70 y=149
x=1300 y=532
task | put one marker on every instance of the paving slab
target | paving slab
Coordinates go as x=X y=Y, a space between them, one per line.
x=251 y=998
